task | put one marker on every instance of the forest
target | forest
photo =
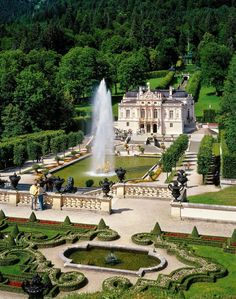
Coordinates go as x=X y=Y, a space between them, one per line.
x=53 y=53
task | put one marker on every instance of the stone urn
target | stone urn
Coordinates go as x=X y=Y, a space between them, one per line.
x=14 y=179
x=35 y=287
x=175 y=189
x=120 y=172
x=106 y=186
x=182 y=178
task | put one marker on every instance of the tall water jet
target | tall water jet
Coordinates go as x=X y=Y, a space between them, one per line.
x=103 y=132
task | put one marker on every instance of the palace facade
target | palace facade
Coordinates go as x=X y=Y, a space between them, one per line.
x=163 y=112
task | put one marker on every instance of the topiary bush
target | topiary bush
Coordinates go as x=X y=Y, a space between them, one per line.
x=195 y=233
x=15 y=231
x=2 y=215
x=102 y=224
x=67 y=221
x=156 y=230
x=233 y=237
x=32 y=217
x=89 y=183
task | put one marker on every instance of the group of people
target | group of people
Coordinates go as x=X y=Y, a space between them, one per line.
x=37 y=192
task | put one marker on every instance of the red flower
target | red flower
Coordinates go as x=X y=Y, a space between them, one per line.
x=16 y=284
x=175 y=235
x=48 y=222
x=212 y=238
x=15 y=219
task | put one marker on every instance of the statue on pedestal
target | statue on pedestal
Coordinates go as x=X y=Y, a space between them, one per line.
x=69 y=188
x=14 y=179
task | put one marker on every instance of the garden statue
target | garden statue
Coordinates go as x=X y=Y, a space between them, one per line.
x=120 y=172
x=35 y=288
x=69 y=188
x=106 y=186
x=182 y=178
x=175 y=189
x=58 y=182
x=2 y=183
x=14 y=179
x=49 y=182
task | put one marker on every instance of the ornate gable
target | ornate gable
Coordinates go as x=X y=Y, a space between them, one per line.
x=149 y=95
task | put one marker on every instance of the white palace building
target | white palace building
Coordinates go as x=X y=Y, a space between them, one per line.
x=162 y=112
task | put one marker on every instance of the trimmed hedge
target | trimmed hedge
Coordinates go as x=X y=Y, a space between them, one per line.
x=209 y=116
x=166 y=81
x=174 y=152
x=228 y=161
x=204 y=157
x=158 y=74
x=194 y=85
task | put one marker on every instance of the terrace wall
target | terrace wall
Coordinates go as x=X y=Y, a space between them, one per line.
x=215 y=213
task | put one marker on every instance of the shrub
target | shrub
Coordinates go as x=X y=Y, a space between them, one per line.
x=228 y=160
x=157 y=229
x=165 y=82
x=194 y=85
x=195 y=233
x=157 y=74
x=204 y=157
x=2 y=215
x=89 y=183
x=102 y=224
x=174 y=152
x=209 y=115
x=15 y=231
x=67 y=221
x=32 y=217
x=233 y=237
x=11 y=241
x=35 y=167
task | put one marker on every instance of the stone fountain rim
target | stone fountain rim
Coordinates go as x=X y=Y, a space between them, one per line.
x=151 y=252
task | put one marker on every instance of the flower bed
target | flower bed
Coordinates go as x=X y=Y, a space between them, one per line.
x=212 y=238
x=15 y=219
x=175 y=235
x=13 y=283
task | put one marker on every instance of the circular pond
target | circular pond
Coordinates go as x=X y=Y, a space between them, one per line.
x=119 y=259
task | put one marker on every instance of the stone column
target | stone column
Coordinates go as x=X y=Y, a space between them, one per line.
x=175 y=209
x=13 y=197
x=57 y=200
x=120 y=190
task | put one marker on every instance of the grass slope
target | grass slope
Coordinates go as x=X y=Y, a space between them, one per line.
x=225 y=197
x=207 y=99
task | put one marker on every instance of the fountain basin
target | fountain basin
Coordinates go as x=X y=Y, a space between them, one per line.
x=158 y=264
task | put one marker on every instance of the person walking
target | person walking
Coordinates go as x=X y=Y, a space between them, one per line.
x=34 y=193
x=40 y=193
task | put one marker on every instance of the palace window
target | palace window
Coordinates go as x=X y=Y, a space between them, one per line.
x=142 y=113
x=171 y=125
x=127 y=113
x=171 y=114
x=127 y=124
x=155 y=113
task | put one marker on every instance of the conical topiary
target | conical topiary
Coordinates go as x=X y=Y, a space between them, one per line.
x=2 y=215
x=102 y=224
x=67 y=221
x=15 y=231
x=11 y=241
x=195 y=233
x=233 y=237
x=32 y=217
x=156 y=230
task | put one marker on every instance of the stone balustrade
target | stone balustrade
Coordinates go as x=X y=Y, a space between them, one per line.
x=58 y=201
x=126 y=190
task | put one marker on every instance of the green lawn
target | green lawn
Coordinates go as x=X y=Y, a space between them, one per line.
x=207 y=99
x=223 y=288
x=225 y=196
x=154 y=82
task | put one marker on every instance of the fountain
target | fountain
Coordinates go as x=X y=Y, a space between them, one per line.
x=103 y=132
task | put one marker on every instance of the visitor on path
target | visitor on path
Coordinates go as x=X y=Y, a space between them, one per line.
x=34 y=194
x=40 y=193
